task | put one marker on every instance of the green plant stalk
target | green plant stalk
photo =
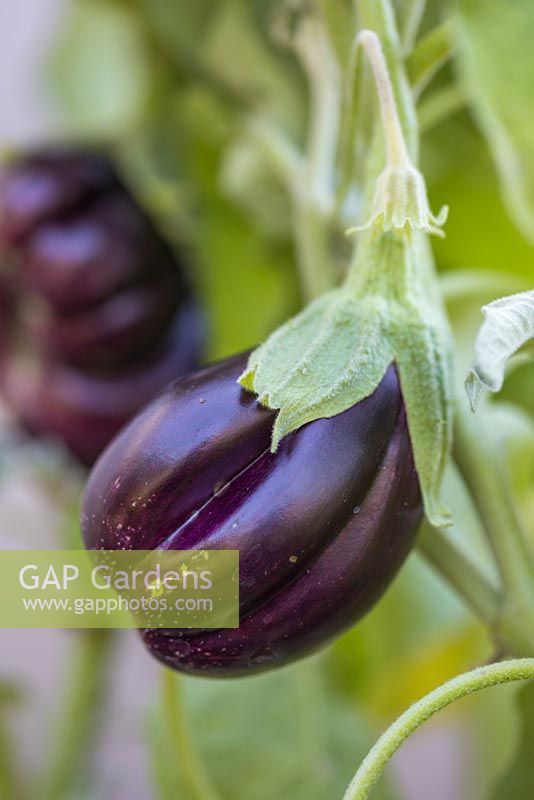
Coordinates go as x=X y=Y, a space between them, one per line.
x=378 y=16
x=65 y=766
x=474 y=681
x=10 y=788
x=189 y=768
x=462 y=574
x=312 y=240
x=476 y=458
x=313 y=192
x=432 y=52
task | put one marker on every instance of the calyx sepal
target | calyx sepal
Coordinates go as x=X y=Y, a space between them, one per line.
x=401 y=204
x=336 y=351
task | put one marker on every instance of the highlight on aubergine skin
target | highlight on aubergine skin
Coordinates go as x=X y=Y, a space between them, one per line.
x=99 y=312
x=322 y=525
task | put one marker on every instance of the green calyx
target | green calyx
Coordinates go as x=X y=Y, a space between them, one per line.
x=336 y=351
x=401 y=204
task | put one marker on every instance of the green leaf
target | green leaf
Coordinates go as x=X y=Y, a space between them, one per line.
x=325 y=360
x=518 y=780
x=497 y=61
x=425 y=383
x=282 y=734
x=508 y=325
x=101 y=69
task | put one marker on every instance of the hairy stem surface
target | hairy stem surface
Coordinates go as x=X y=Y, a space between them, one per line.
x=388 y=744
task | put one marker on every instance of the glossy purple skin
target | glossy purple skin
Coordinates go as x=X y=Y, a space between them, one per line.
x=100 y=315
x=322 y=526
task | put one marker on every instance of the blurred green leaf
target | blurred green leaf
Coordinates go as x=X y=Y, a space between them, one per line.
x=518 y=780
x=419 y=633
x=101 y=70
x=248 y=281
x=248 y=179
x=236 y=265
x=519 y=385
x=497 y=62
x=180 y=25
x=283 y=734
x=340 y=18
x=480 y=234
x=273 y=81
x=515 y=429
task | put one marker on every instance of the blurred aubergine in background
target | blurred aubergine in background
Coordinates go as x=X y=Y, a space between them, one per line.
x=96 y=313
x=322 y=525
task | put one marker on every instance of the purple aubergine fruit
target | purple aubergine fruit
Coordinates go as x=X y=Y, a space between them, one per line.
x=322 y=525
x=101 y=316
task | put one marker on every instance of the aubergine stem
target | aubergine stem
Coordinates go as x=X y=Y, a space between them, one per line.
x=476 y=456
x=371 y=768
x=189 y=768
x=74 y=737
x=379 y=16
x=459 y=570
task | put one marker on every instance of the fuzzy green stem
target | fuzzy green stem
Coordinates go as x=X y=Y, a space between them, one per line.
x=189 y=768
x=76 y=725
x=476 y=456
x=378 y=16
x=396 y=152
x=432 y=52
x=474 y=681
x=463 y=575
